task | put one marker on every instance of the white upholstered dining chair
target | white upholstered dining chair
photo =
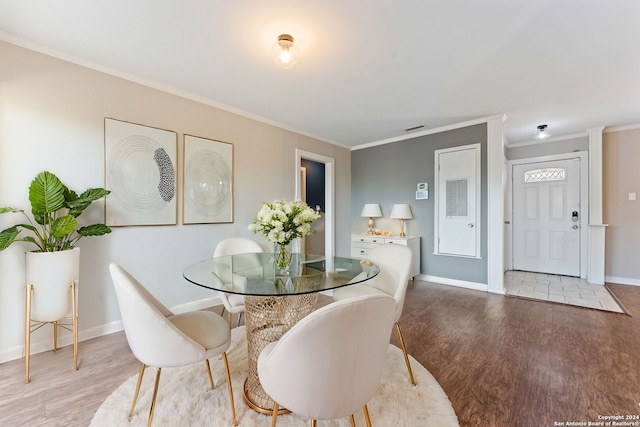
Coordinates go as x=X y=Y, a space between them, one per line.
x=329 y=364
x=394 y=262
x=234 y=303
x=159 y=338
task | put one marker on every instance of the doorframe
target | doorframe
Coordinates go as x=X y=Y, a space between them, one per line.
x=584 y=204
x=477 y=208
x=329 y=195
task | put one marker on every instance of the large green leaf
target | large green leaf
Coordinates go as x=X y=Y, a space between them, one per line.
x=46 y=193
x=85 y=199
x=63 y=226
x=94 y=194
x=8 y=236
x=94 y=230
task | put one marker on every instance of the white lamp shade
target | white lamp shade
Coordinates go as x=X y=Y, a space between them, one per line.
x=401 y=211
x=371 y=210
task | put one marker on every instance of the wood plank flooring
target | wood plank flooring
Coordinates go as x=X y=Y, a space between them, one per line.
x=502 y=362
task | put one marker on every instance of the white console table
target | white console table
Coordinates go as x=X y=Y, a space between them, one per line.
x=361 y=244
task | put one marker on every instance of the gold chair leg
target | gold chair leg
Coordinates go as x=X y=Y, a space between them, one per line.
x=222 y=312
x=233 y=406
x=275 y=414
x=406 y=357
x=155 y=395
x=206 y=361
x=229 y=316
x=74 y=314
x=239 y=318
x=55 y=336
x=353 y=420
x=27 y=335
x=313 y=423
x=365 y=410
x=135 y=395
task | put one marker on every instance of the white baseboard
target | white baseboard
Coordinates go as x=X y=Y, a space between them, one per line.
x=454 y=282
x=622 y=280
x=65 y=339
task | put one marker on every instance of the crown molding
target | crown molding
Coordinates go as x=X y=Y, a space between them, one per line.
x=620 y=128
x=440 y=129
x=46 y=50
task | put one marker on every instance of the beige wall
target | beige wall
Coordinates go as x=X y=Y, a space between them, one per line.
x=51 y=117
x=621 y=176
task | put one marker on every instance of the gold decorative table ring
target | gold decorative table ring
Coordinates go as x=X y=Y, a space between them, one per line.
x=273 y=302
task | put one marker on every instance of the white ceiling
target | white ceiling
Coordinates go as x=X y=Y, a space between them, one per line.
x=367 y=69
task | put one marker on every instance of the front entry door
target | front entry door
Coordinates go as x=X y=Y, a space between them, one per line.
x=547 y=216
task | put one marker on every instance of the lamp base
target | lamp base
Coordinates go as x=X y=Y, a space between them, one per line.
x=370 y=224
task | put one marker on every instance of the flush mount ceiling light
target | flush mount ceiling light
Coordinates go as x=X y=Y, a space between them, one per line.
x=541 y=132
x=287 y=53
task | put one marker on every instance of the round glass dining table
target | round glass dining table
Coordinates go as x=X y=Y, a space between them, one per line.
x=275 y=300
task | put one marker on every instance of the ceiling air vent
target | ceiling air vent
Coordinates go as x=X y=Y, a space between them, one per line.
x=411 y=129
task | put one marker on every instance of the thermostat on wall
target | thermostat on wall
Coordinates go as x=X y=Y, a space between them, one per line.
x=423 y=191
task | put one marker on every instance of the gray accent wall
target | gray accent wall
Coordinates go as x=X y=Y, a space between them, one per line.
x=388 y=174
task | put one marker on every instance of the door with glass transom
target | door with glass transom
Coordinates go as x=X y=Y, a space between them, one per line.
x=547 y=217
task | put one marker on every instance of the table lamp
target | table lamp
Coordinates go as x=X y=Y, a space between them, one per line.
x=401 y=211
x=372 y=210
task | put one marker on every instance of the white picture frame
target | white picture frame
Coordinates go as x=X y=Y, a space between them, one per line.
x=207 y=195
x=141 y=173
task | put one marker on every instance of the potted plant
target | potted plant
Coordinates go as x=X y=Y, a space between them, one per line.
x=52 y=268
x=55 y=209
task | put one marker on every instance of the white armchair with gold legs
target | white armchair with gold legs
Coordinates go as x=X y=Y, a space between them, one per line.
x=233 y=303
x=395 y=266
x=159 y=338
x=329 y=364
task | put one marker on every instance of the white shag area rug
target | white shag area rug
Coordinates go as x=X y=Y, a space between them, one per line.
x=186 y=399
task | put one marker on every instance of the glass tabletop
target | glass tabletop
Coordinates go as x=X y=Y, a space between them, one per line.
x=255 y=274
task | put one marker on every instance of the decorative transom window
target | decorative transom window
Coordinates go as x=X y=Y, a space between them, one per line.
x=545 y=174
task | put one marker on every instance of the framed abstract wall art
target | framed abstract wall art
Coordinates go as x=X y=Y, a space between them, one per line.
x=207 y=181
x=140 y=171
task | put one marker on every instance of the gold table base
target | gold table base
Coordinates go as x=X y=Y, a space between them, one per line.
x=266 y=320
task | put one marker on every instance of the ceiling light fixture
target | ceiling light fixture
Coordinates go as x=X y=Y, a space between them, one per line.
x=541 y=132
x=287 y=55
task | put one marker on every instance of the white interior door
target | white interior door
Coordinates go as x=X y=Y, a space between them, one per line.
x=547 y=217
x=457 y=225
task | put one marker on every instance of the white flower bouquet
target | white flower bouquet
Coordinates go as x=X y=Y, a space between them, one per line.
x=280 y=222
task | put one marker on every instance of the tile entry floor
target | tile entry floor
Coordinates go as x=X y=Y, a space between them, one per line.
x=561 y=289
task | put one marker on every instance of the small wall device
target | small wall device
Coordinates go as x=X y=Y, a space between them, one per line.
x=422 y=191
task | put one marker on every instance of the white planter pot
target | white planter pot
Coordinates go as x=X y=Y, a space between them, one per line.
x=51 y=274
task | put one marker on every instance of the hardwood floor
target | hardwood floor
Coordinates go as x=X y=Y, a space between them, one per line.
x=502 y=362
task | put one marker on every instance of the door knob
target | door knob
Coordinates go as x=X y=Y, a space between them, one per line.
x=575 y=227
x=470 y=225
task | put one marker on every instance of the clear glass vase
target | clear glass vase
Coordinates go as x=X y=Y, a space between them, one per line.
x=282 y=258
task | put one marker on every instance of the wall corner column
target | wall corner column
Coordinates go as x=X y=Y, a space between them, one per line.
x=595 y=268
x=495 y=220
